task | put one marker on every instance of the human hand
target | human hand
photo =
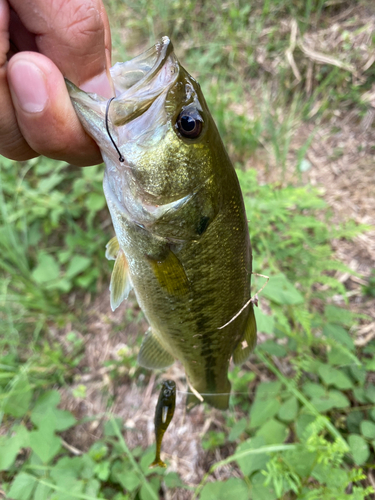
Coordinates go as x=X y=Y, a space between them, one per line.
x=47 y=41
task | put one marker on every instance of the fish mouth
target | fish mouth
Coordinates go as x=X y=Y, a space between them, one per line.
x=140 y=81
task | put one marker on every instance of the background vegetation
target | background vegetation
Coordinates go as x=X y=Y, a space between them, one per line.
x=279 y=77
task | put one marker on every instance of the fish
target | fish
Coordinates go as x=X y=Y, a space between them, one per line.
x=182 y=238
x=163 y=415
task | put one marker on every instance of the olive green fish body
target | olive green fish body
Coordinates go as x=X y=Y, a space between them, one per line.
x=164 y=412
x=178 y=213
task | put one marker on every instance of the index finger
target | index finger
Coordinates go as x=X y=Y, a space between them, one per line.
x=74 y=34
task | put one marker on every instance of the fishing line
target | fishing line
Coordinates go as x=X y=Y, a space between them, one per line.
x=252 y=392
x=218 y=393
x=120 y=157
x=253 y=300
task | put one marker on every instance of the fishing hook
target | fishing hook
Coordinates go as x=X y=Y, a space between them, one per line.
x=120 y=157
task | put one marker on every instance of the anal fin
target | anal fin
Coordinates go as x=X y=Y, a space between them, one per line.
x=152 y=354
x=248 y=340
x=120 y=285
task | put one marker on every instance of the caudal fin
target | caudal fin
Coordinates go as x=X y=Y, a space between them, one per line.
x=219 y=400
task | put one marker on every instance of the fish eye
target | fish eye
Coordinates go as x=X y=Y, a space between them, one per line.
x=167 y=393
x=189 y=126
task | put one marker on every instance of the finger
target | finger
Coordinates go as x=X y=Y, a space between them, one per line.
x=20 y=37
x=12 y=144
x=73 y=34
x=44 y=112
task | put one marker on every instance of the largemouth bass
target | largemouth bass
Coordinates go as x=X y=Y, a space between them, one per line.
x=182 y=239
x=163 y=415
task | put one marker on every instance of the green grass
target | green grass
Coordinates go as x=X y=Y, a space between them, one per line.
x=305 y=433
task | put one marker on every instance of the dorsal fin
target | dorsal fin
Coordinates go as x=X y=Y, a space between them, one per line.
x=112 y=248
x=120 y=281
x=248 y=340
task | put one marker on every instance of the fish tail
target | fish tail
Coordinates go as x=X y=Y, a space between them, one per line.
x=218 y=399
x=158 y=462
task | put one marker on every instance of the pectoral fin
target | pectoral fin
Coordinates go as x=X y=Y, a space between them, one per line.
x=170 y=274
x=152 y=354
x=248 y=341
x=120 y=281
x=112 y=248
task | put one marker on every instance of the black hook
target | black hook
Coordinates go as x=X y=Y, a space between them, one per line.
x=120 y=157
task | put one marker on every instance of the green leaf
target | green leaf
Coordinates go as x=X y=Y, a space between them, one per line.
x=339 y=357
x=273 y=348
x=46 y=446
x=146 y=460
x=125 y=476
x=237 y=429
x=11 y=446
x=338 y=315
x=301 y=460
x=95 y=201
x=70 y=489
x=372 y=414
x=368 y=429
x=42 y=492
x=262 y=411
x=234 y=488
x=129 y=480
x=92 y=488
x=289 y=409
x=251 y=463
x=265 y=323
x=87 y=465
x=370 y=393
x=333 y=399
x=338 y=333
x=59 y=420
x=353 y=421
x=48 y=183
x=334 y=376
x=65 y=469
x=108 y=426
x=266 y=404
x=281 y=291
x=313 y=390
x=47 y=399
x=154 y=486
x=102 y=470
x=359 y=394
x=44 y=442
x=98 y=451
x=22 y=487
x=77 y=265
x=331 y=476
x=273 y=432
x=302 y=426
x=268 y=390
x=18 y=401
x=359 y=448
x=370 y=364
x=261 y=491
x=46 y=270
x=359 y=373
x=173 y=480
